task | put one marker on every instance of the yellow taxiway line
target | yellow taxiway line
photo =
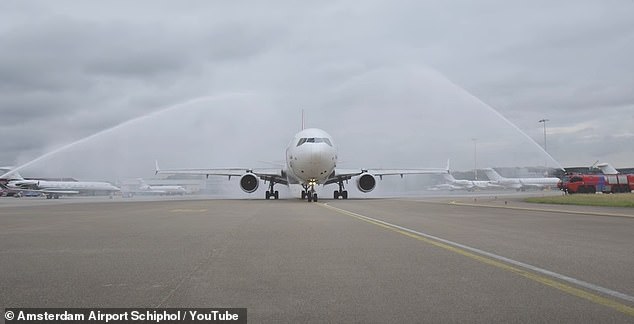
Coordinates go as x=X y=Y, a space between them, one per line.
x=563 y=211
x=597 y=299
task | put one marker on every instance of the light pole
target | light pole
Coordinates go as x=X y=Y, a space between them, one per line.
x=475 y=157
x=545 y=147
x=544 y=121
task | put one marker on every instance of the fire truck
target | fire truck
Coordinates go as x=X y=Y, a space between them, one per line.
x=592 y=183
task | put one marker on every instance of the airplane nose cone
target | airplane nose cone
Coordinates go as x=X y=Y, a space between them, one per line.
x=315 y=162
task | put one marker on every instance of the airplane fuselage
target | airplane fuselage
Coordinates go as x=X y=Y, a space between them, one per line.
x=311 y=156
x=62 y=185
x=520 y=183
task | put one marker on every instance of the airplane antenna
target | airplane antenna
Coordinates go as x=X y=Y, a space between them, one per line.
x=302 y=119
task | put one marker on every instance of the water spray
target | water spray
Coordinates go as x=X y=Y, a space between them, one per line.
x=497 y=113
x=121 y=125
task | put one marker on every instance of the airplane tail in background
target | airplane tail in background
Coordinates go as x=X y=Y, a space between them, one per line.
x=449 y=177
x=143 y=185
x=10 y=175
x=606 y=168
x=493 y=175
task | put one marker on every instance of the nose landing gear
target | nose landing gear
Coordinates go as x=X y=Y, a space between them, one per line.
x=309 y=192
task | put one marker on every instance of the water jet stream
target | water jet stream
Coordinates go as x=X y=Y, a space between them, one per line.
x=499 y=115
x=118 y=126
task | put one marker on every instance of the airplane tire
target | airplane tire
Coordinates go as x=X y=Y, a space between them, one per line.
x=344 y=194
x=303 y=194
x=315 y=197
x=310 y=198
x=336 y=194
x=267 y=195
x=277 y=194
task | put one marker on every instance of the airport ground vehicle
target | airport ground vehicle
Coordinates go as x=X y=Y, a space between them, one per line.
x=592 y=183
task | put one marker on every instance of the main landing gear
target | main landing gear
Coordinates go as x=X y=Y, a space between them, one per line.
x=341 y=192
x=270 y=193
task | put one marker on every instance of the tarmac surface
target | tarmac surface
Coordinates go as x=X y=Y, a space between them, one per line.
x=465 y=259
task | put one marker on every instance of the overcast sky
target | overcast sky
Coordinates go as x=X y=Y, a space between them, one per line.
x=397 y=83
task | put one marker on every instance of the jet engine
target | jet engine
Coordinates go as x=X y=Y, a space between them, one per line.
x=366 y=182
x=24 y=184
x=249 y=183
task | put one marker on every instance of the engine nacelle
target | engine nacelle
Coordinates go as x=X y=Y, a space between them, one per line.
x=249 y=183
x=24 y=184
x=366 y=182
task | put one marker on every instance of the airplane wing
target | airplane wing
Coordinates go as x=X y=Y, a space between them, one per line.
x=57 y=191
x=275 y=175
x=387 y=172
x=347 y=174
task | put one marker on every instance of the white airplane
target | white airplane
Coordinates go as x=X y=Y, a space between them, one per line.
x=54 y=189
x=520 y=183
x=146 y=189
x=311 y=160
x=463 y=184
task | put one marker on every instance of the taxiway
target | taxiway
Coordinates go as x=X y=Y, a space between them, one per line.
x=366 y=260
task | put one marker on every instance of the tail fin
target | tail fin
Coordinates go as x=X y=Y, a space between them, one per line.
x=5 y=173
x=156 y=167
x=142 y=184
x=493 y=175
x=449 y=177
x=606 y=168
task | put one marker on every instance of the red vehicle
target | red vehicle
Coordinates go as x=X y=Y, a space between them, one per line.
x=592 y=183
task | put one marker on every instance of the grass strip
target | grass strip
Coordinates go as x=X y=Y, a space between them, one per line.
x=605 y=200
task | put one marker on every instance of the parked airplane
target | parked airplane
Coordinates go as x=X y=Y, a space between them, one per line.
x=607 y=169
x=54 y=189
x=311 y=160
x=146 y=189
x=463 y=184
x=520 y=183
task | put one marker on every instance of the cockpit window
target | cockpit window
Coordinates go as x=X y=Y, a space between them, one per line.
x=314 y=140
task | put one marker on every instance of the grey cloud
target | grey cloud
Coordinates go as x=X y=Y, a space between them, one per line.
x=358 y=70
